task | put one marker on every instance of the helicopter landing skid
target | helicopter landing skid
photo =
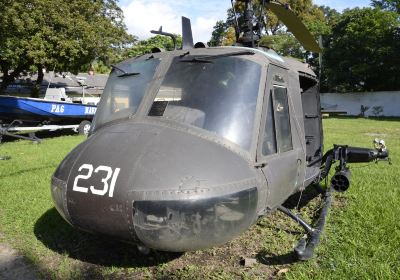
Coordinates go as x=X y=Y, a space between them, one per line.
x=305 y=248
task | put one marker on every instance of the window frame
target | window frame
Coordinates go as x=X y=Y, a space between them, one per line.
x=252 y=132
x=277 y=142
x=271 y=82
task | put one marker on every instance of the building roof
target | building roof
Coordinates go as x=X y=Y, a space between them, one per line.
x=70 y=80
x=64 y=80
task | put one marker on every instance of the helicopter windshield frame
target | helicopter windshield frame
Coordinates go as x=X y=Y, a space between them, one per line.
x=144 y=109
x=126 y=87
x=219 y=97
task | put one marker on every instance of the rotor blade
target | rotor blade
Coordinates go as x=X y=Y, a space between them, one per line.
x=187 y=37
x=295 y=26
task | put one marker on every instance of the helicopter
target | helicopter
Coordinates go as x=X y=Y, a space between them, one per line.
x=190 y=147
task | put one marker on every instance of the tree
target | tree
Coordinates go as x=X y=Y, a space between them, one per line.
x=390 y=5
x=283 y=43
x=146 y=46
x=222 y=35
x=218 y=34
x=362 y=54
x=56 y=34
x=229 y=37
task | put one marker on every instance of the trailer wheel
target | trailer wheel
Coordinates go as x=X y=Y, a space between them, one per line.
x=84 y=128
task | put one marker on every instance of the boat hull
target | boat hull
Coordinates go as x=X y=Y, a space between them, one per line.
x=34 y=110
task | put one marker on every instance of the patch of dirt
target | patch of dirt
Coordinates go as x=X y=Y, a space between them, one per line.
x=13 y=266
x=340 y=201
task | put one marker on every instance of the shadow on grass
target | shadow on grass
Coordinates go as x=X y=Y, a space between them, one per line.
x=288 y=258
x=62 y=238
x=301 y=199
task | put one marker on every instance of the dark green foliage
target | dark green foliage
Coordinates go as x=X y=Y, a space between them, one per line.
x=158 y=41
x=225 y=33
x=65 y=35
x=362 y=53
x=390 y=5
x=284 y=43
x=218 y=34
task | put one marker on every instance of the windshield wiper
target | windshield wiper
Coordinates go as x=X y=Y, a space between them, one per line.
x=206 y=58
x=115 y=67
x=128 y=74
x=245 y=52
x=195 y=59
x=124 y=73
x=185 y=54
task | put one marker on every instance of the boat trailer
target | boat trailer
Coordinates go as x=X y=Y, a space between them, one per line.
x=20 y=132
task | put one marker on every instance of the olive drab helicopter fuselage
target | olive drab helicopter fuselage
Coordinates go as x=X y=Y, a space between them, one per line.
x=190 y=147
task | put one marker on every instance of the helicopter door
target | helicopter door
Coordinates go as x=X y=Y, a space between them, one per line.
x=276 y=153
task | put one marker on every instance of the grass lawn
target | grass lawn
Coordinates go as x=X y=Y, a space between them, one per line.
x=361 y=238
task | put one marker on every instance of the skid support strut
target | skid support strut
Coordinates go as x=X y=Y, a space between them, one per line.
x=305 y=248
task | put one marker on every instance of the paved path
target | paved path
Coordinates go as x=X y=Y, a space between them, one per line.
x=13 y=266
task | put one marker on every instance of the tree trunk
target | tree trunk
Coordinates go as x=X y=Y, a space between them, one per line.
x=4 y=84
x=8 y=78
x=36 y=88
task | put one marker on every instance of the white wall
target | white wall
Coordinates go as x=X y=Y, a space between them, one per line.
x=351 y=102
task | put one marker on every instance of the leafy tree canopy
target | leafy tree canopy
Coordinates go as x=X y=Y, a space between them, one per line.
x=218 y=34
x=65 y=35
x=362 y=53
x=145 y=46
x=390 y=5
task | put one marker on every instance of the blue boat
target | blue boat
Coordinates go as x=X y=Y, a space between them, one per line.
x=35 y=110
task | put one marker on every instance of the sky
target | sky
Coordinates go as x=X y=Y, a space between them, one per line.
x=141 y=16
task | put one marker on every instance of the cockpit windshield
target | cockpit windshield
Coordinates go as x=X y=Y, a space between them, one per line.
x=218 y=95
x=126 y=86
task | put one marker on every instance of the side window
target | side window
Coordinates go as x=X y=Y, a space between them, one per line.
x=282 y=119
x=269 y=140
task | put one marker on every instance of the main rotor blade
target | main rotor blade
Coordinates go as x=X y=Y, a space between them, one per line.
x=187 y=37
x=295 y=26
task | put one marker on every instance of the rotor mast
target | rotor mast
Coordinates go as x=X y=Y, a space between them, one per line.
x=248 y=37
x=250 y=30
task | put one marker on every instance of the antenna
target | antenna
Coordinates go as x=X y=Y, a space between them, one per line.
x=160 y=32
x=187 y=37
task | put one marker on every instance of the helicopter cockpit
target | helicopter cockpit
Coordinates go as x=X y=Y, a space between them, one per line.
x=215 y=93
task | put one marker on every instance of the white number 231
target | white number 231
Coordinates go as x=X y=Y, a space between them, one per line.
x=107 y=187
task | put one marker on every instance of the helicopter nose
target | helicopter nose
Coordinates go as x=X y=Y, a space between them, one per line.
x=191 y=224
x=160 y=186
